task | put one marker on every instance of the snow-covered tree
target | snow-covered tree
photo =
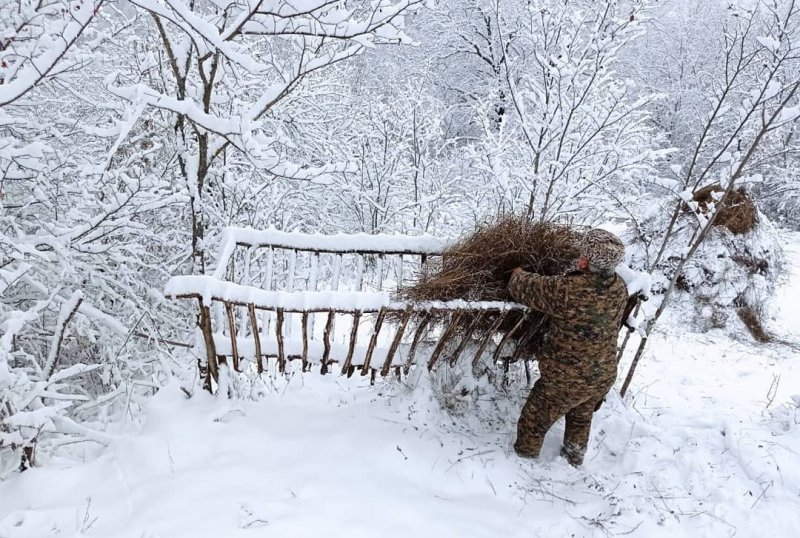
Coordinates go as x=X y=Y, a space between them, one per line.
x=228 y=74
x=573 y=135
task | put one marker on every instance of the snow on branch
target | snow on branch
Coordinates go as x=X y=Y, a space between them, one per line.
x=337 y=23
x=182 y=16
x=26 y=62
x=139 y=93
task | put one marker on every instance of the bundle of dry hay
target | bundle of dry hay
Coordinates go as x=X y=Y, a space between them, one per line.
x=477 y=268
x=738 y=213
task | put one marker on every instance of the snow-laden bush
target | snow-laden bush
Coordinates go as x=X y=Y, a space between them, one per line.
x=731 y=272
x=729 y=278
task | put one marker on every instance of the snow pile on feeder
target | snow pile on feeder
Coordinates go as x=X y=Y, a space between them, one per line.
x=477 y=268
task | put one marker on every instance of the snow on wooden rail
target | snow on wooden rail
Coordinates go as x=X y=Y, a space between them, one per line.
x=381 y=244
x=336 y=243
x=210 y=289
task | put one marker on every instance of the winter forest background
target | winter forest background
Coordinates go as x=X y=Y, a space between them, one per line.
x=133 y=131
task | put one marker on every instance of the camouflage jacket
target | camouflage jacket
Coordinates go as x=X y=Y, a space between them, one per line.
x=584 y=310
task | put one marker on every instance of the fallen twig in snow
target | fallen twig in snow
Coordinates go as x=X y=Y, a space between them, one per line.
x=773 y=390
x=83 y=526
x=763 y=492
x=634 y=529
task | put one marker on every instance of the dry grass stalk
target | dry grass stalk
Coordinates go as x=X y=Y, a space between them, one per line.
x=478 y=266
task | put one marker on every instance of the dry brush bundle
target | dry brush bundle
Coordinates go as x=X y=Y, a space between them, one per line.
x=738 y=213
x=477 y=268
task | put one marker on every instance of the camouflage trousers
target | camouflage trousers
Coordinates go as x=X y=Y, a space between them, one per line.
x=553 y=398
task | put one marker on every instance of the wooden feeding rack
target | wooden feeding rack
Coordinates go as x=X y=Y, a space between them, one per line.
x=280 y=297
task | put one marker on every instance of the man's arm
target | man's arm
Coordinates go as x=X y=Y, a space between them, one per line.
x=546 y=294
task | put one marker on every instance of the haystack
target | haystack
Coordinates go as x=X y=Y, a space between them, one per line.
x=477 y=268
x=738 y=213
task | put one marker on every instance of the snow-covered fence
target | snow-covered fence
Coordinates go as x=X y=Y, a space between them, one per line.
x=329 y=300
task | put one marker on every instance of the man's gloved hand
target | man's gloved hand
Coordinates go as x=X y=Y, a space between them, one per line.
x=633 y=302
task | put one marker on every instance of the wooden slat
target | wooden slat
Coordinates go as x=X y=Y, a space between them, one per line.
x=398 y=336
x=232 y=332
x=248 y=256
x=313 y=283
x=508 y=335
x=269 y=274
x=348 y=361
x=211 y=349
x=337 y=269
x=400 y=271
x=266 y=319
x=326 y=342
x=247 y=281
x=451 y=327
x=373 y=341
x=421 y=328
x=466 y=337
x=279 y=337
x=520 y=349
x=251 y=313
x=359 y=273
x=304 y=358
x=488 y=337
x=379 y=270
x=291 y=270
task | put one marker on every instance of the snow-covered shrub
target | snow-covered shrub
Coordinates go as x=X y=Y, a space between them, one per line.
x=729 y=276
x=732 y=272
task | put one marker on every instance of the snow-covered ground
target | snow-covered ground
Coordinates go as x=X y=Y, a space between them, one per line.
x=706 y=444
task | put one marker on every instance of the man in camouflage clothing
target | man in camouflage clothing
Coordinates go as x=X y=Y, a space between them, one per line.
x=578 y=364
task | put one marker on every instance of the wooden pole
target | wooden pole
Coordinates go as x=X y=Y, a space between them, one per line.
x=305 y=341
x=506 y=337
x=387 y=364
x=373 y=341
x=466 y=337
x=632 y=369
x=488 y=337
x=232 y=331
x=423 y=325
x=251 y=313
x=348 y=361
x=455 y=317
x=326 y=342
x=211 y=349
x=279 y=336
